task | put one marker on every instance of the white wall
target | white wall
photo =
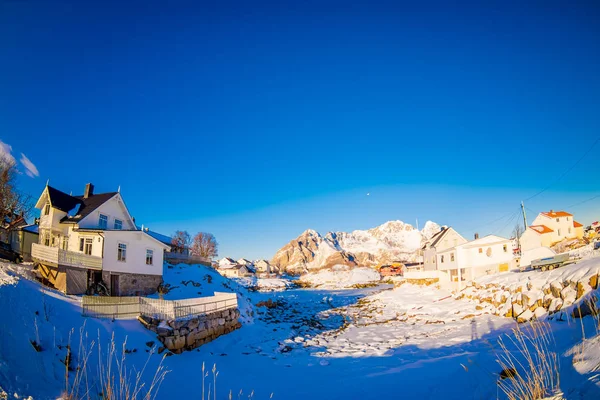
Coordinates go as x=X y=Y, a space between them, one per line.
x=530 y=240
x=561 y=226
x=113 y=209
x=137 y=243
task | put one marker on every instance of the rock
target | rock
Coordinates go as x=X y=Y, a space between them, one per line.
x=221 y=321
x=179 y=342
x=593 y=282
x=584 y=309
x=176 y=324
x=150 y=343
x=525 y=316
x=184 y=331
x=299 y=339
x=164 y=330
x=169 y=342
x=161 y=349
x=555 y=289
x=517 y=309
x=568 y=295
x=540 y=312
x=193 y=324
x=582 y=289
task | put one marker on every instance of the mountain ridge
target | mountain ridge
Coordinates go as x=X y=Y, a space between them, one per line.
x=390 y=241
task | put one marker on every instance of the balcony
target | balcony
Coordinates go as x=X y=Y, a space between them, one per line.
x=55 y=256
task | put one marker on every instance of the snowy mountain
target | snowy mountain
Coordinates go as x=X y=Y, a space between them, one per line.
x=394 y=240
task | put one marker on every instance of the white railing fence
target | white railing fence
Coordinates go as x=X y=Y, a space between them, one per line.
x=56 y=255
x=134 y=306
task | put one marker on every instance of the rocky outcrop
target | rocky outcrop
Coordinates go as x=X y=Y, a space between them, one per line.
x=524 y=301
x=188 y=334
x=392 y=241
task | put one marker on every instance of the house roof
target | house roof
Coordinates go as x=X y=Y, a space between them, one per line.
x=160 y=237
x=554 y=214
x=435 y=239
x=61 y=200
x=87 y=206
x=576 y=224
x=541 y=229
x=33 y=228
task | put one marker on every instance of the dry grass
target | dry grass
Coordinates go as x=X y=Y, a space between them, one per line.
x=113 y=380
x=529 y=353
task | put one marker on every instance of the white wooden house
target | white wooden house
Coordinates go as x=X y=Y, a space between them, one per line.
x=446 y=238
x=549 y=228
x=92 y=238
x=483 y=256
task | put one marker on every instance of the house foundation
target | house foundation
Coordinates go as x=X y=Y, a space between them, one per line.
x=125 y=284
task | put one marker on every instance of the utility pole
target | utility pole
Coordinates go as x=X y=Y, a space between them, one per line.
x=417 y=223
x=524 y=217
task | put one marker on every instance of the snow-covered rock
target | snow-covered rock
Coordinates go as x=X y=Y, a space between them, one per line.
x=341 y=276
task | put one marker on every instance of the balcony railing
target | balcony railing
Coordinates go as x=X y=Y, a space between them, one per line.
x=57 y=256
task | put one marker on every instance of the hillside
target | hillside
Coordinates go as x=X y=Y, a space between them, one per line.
x=394 y=240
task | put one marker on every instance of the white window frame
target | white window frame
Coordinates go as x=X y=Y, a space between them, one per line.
x=115 y=224
x=100 y=221
x=83 y=245
x=47 y=209
x=451 y=257
x=442 y=259
x=122 y=252
x=151 y=256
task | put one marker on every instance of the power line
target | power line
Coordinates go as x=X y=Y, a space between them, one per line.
x=511 y=220
x=492 y=222
x=585 y=201
x=567 y=171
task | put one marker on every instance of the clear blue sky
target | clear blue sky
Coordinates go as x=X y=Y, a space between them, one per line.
x=256 y=120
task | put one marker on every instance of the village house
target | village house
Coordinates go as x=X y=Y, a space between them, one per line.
x=549 y=228
x=92 y=239
x=264 y=267
x=10 y=224
x=394 y=269
x=22 y=239
x=232 y=269
x=446 y=238
x=483 y=256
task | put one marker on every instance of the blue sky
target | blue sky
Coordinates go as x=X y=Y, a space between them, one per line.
x=255 y=121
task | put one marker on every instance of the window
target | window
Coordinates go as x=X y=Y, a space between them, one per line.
x=85 y=245
x=557 y=220
x=122 y=252
x=442 y=259
x=505 y=248
x=65 y=242
x=451 y=256
x=488 y=252
x=149 y=257
x=53 y=240
x=480 y=250
x=569 y=229
x=567 y=218
x=103 y=223
x=47 y=240
x=47 y=209
x=118 y=224
x=559 y=232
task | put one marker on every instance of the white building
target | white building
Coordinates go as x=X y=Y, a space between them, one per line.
x=549 y=228
x=233 y=271
x=91 y=239
x=482 y=256
x=446 y=238
x=265 y=267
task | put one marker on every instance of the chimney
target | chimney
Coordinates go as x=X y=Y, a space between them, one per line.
x=89 y=191
x=476 y=236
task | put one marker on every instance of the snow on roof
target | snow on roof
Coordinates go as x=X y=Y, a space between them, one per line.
x=541 y=229
x=554 y=214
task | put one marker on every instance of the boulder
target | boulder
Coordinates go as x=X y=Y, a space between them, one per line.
x=193 y=324
x=584 y=308
x=525 y=316
x=556 y=288
x=593 y=282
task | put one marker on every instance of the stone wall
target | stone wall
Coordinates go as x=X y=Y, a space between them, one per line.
x=180 y=335
x=525 y=301
x=132 y=284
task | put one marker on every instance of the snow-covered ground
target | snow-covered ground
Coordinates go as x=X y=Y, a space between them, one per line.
x=340 y=277
x=371 y=343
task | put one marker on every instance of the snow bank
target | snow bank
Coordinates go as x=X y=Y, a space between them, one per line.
x=189 y=281
x=264 y=284
x=341 y=277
